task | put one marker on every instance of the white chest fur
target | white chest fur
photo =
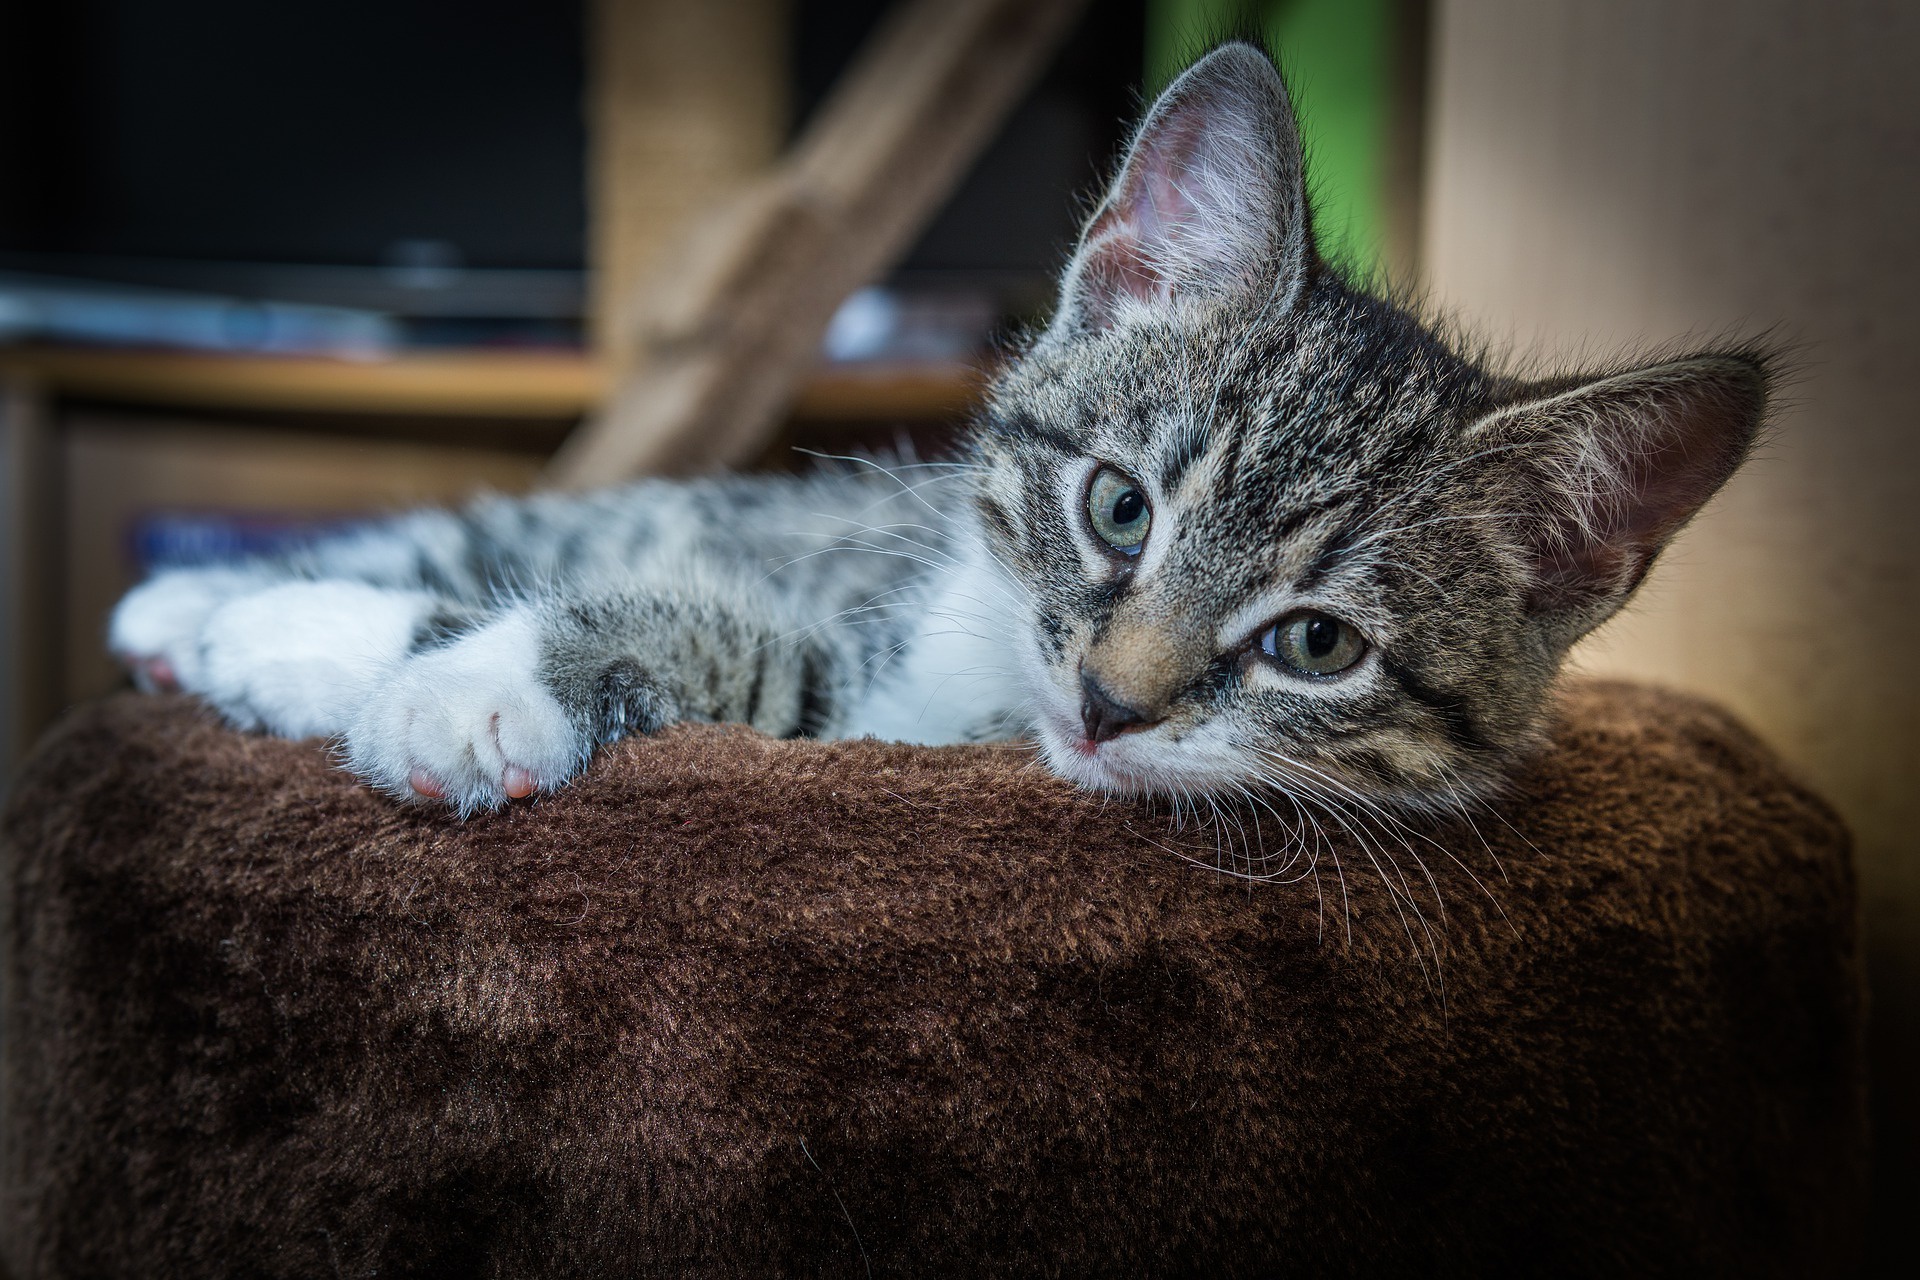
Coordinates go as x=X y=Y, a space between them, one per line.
x=957 y=676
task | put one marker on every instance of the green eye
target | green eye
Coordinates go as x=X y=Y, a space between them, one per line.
x=1313 y=644
x=1118 y=511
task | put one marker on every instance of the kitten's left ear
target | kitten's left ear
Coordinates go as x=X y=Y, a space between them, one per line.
x=1607 y=472
x=1210 y=202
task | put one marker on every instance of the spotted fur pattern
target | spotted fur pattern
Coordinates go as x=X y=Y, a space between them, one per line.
x=1301 y=446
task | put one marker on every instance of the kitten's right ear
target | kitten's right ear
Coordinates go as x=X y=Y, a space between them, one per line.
x=1210 y=203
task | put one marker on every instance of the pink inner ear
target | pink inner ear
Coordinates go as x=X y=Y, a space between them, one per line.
x=1131 y=244
x=1209 y=204
x=1155 y=202
x=1667 y=447
x=1579 y=570
x=1117 y=269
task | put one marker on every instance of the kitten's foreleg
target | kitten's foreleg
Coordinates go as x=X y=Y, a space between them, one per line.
x=518 y=704
x=155 y=631
x=339 y=610
x=291 y=656
x=300 y=659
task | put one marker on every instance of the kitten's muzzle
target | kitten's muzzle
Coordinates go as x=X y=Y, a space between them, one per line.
x=1104 y=716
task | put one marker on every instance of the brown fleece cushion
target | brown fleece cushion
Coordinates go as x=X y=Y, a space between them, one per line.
x=734 y=1006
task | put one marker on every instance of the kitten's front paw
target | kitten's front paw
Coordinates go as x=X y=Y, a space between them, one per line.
x=469 y=723
x=298 y=658
x=156 y=628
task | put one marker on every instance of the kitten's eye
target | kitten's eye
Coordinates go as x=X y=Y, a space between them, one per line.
x=1313 y=644
x=1118 y=511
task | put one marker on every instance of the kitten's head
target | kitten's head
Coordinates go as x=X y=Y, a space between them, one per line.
x=1274 y=530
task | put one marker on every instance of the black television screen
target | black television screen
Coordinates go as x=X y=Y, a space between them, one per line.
x=309 y=150
x=303 y=131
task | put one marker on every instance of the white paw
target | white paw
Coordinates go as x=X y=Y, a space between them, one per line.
x=299 y=658
x=156 y=628
x=469 y=723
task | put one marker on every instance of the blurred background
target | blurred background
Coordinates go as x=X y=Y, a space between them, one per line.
x=267 y=267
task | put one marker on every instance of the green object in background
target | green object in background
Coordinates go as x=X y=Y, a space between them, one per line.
x=1337 y=55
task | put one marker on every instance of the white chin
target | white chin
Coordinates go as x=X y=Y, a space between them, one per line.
x=1098 y=770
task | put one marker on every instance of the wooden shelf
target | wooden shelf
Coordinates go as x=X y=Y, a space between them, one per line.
x=514 y=384
x=490 y=384
x=878 y=393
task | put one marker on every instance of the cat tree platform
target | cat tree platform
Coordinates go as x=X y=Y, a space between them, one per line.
x=733 y=1006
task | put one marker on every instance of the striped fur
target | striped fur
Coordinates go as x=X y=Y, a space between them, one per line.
x=1301 y=445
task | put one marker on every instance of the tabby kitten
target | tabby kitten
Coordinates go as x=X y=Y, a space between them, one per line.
x=1228 y=525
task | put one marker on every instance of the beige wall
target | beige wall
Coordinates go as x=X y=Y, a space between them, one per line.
x=1605 y=176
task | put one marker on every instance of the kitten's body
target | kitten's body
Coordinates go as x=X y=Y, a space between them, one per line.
x=830 y=604
x=1227 y=527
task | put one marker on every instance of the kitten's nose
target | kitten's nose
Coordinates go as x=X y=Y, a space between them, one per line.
x=1103 y=716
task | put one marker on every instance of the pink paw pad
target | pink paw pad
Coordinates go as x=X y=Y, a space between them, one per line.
x=153 y=673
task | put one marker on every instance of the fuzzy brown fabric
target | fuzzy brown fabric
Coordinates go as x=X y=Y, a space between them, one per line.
x=733 y=1006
